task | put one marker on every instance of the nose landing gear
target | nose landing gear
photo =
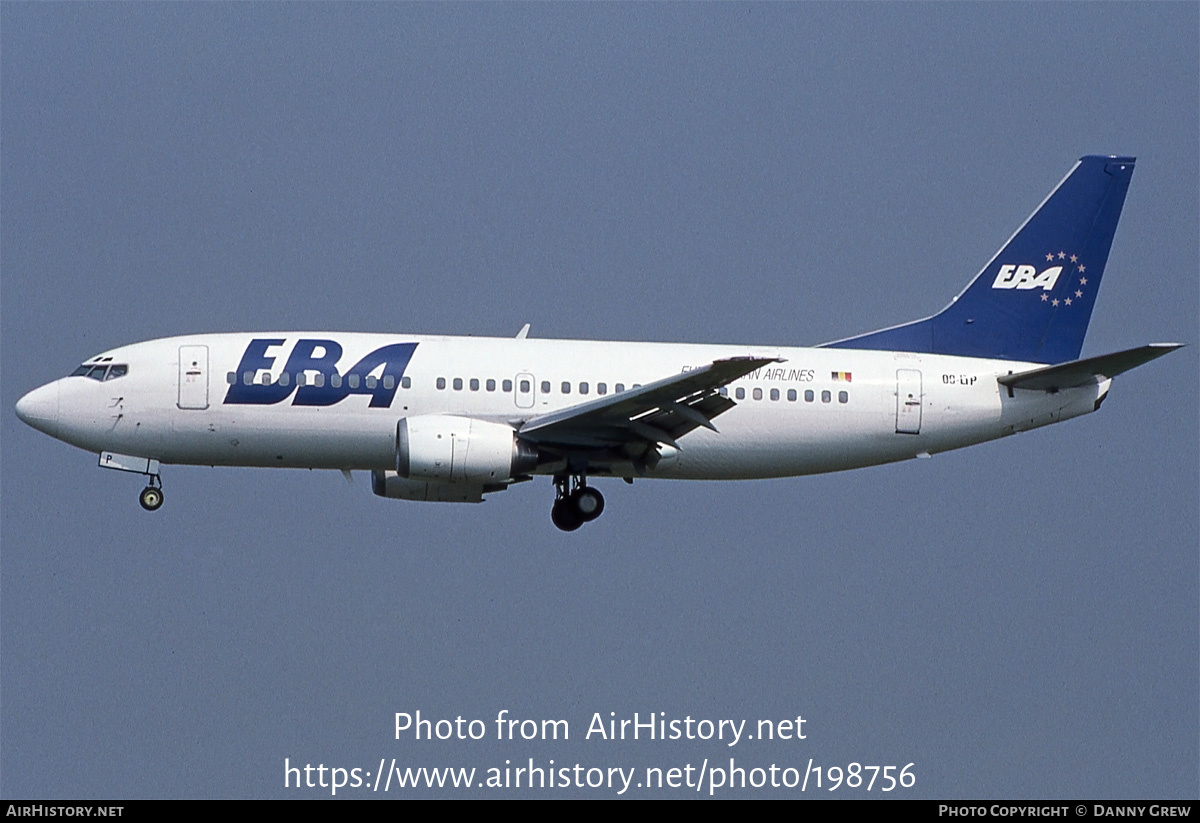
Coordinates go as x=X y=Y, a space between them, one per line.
x=152 y=496
x=575 y=503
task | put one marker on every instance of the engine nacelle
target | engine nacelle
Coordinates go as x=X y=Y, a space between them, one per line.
x=390 y=484
x=448 y=449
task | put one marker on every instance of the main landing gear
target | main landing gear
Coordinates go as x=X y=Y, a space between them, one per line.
x=152 y=496
x=575 y=503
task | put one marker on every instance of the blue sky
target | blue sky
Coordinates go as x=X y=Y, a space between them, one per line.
x=1019 y=619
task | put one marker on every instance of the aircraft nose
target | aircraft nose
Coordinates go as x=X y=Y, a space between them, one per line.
x=39 y=409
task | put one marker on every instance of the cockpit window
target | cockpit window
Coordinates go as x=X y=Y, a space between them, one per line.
x=102 y=371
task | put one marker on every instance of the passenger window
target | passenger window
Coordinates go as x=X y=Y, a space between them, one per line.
x=758 y=394
x=808 y=396
x=490 y=385
x=825 y=397
x=335 y=380
x=301 y=379
x=723 y=391
x=247 y=378
x=405 y=382
x=792 y=395
x=545 y=387
x=843 y=397
x=583 y=388
x=389 y=381
x=266 y=378
x=458 y=384
x=231 y=378
x=474 y=384
x=285 y=379
x=601 y=388
x=620 y=387
x=372 y=381
x=774 y=394
x=566 y=387
x=740 y=393
x=441 y=383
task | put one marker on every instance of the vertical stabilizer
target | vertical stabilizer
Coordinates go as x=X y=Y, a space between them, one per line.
x=1034 y=298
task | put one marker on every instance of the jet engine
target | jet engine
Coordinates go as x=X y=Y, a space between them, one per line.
x=450 y=449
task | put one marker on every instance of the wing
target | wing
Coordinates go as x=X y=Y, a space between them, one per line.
x=629 y=426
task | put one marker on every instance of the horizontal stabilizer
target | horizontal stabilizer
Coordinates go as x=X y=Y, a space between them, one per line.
x=1085 y=372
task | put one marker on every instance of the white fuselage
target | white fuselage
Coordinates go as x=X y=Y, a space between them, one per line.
x=866 y=407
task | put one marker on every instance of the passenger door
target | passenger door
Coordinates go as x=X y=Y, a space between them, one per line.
x=908 y=401
x=193 y=377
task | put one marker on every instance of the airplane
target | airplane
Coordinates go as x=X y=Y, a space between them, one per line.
x=451 y=419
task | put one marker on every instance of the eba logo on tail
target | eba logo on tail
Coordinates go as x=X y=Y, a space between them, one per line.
x=1026 y=277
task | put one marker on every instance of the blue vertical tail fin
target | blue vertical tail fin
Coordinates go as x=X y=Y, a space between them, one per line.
x=1034 y=298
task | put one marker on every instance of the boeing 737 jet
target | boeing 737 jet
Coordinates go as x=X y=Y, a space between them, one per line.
x=455 y=418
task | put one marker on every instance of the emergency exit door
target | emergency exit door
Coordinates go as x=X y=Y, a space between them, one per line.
x=524 y=390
